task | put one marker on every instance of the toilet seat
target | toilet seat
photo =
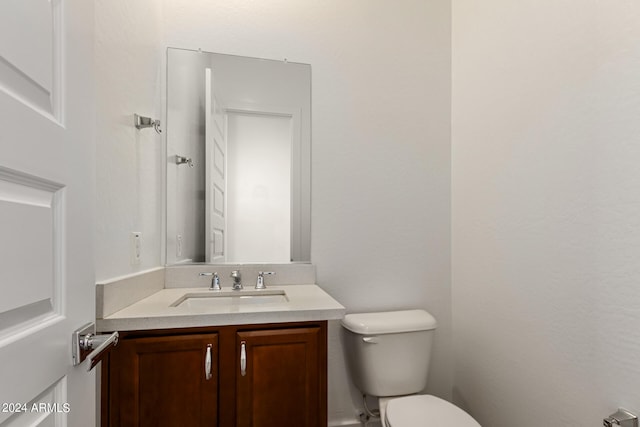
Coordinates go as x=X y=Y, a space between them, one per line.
x=426 y=411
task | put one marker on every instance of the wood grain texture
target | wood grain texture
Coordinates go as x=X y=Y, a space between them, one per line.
x=155 y=378
x=160 y=381
x=281 y=385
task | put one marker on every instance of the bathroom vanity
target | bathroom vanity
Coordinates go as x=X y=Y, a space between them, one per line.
x=191 y=356
x=240 y=375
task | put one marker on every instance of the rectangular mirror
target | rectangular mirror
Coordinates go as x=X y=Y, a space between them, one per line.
x=238 y=138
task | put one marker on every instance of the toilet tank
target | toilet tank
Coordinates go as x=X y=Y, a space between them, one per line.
x=388 y=353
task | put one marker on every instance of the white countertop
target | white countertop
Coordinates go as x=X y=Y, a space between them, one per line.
x=306 y=303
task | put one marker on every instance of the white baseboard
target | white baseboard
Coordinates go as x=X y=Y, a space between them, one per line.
x=345 y=424
x=352 y=422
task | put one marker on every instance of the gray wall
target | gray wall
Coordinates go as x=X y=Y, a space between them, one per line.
x=546 y=196
x=128 y=66
x=185 y=135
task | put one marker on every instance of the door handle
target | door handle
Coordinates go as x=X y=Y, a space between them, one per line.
x=207 y=363
x=87 y=344
x=243 y=358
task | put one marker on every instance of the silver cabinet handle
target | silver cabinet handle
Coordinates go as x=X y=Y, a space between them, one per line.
x=243 y=358
x=207 y=363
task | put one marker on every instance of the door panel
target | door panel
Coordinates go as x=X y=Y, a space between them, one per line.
x=215 y=148
x=164 y=382
x=30 y=54
x=31 y=225
x=46 y=192
x=280 y=363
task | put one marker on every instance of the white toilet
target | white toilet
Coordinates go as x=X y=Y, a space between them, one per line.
x=388 y=355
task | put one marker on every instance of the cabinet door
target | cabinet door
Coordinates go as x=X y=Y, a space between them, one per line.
x=280 y=378
x=165 y=381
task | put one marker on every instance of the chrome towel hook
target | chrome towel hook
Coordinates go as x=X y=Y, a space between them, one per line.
x=180 y=160
x=142 y=122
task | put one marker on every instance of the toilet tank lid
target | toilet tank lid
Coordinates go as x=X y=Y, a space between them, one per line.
x=389 y=322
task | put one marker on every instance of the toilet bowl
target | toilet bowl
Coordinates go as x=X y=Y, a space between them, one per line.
x=388 y=355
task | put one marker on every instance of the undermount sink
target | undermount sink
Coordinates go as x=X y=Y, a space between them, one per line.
x=222 y=299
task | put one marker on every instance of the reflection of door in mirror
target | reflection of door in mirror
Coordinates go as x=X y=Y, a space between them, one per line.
x=215 y=174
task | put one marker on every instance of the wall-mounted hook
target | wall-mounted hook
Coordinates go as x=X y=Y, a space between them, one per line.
x=622 y=418
x=184 y=160
x=142 y=122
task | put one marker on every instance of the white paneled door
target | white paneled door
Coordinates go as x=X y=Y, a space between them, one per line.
x=46 y=195
x=215 y=175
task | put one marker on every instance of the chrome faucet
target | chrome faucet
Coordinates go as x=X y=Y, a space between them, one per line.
x=215 y=281
x=237 y=280
x=260 y=281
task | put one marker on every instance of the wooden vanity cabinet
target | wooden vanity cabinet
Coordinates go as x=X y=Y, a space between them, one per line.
x=279 y=385
x=272 y=375
x=161 y=381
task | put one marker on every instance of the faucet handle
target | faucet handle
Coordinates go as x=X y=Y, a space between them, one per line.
x=215 y=281
x=260 y=281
